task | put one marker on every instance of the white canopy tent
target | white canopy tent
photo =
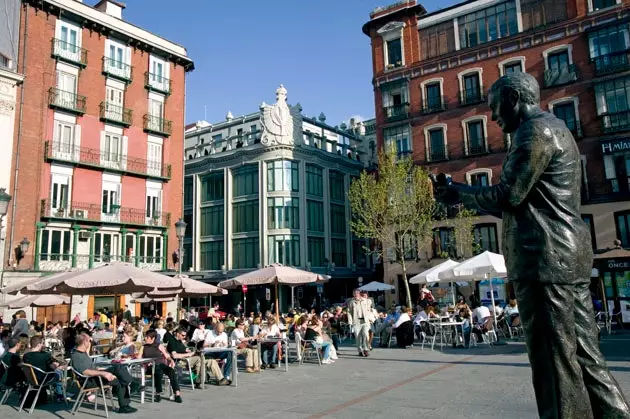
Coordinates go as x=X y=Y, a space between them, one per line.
x=376 y=286
x=431 y=275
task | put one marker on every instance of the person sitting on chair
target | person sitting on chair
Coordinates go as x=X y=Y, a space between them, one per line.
x=43 y=360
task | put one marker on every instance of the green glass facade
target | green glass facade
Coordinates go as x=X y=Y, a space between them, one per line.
x=283 y=213
x=245 y=253
x=283 y=175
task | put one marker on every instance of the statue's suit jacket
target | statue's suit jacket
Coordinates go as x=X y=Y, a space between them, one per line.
x=544 y=236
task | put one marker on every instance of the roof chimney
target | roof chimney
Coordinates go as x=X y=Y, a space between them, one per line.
x=111 y=7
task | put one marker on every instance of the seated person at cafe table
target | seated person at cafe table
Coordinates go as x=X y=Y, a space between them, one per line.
x=128 y=347
x=14 y=376
x=270 y=331
x=43 y=360
x=217 y=338
x=246 y=347
x=179 y=351
x=164 y=365
x=117 y=375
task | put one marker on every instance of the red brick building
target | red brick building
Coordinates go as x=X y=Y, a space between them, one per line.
x=432 y=72
x=98 y=151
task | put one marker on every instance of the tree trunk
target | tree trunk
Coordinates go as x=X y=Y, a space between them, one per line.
x=401 y=246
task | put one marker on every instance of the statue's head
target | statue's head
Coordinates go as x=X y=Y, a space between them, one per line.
x=510 y=96
x=281 y=93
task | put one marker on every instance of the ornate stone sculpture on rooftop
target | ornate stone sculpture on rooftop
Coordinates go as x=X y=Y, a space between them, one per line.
x=281 y=123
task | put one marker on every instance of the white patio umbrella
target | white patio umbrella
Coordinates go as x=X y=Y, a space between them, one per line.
x=44 y=300
x=273 y=275
x=486 y=265
x=431 y=275
x=375 y=286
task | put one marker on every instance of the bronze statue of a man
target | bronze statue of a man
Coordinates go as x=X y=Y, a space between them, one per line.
x=547 y=249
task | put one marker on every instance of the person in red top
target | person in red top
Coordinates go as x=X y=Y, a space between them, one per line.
x=426 y=297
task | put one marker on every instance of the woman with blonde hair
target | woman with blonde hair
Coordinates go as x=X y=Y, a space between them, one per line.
x=128 y=349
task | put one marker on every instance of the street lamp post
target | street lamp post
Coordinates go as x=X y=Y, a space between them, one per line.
x=180 y=232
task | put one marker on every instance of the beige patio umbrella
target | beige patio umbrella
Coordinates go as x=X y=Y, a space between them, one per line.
x=141 y=299
x=32 y=301
x=188 y=288
x=274 y=274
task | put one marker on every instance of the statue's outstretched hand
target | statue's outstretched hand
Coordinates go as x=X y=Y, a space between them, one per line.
x=443 y=189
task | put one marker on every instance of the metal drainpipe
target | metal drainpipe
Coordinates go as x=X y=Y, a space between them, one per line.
x=17 y=145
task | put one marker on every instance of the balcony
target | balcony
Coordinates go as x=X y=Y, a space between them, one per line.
x=615 y=122
x=157 y=125
x=157 y=83
x=560 y=77
x=57 y=262
x=65 y=51
x=475 y=148
x=396 y=112
x=437 y=155
x=434 y=105
x=116 y=162
x=115 y=114
x=472 y=97
x=404 y=154
x=68 y=101
x=611 y=63
x=85 y=212
x=117 y=69
x=611 y=190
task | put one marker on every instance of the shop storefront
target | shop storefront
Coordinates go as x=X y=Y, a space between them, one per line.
x=615 y=275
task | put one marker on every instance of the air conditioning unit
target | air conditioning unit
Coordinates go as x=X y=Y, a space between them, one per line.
x=79 y=213
x=84 y=235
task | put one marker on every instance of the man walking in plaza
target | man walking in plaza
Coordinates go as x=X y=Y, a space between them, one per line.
x=547 y=249
x=359 y=316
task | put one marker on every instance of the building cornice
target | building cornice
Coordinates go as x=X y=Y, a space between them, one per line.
x=17 y=78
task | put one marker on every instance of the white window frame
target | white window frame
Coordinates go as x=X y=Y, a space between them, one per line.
x=61 y=179
x=111 y=183
x=386 y=95
x=576 y=107
x=115 y=250
x=484 y=121
x=124 y=72
x=49 y=244
x=473 y=172
x=142 y=252
x=74 y=153
x=153 y=190
x=511 y=60
x=558 y=48
x=155 y=81
x=62 y=51
x=117 y=112
x=155 y=167
x=121 y=162
x=156 y=124
x=427 y=142
x=423 y=90
x=590 y=6
x=467 y=72
x=389 y=32
x=409 y=139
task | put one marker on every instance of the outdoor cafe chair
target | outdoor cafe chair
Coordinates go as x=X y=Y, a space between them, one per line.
x=308 y=348
x=48 y=379
x=91 y=384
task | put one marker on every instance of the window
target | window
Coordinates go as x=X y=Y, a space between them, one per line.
x=245 y=216
x=314 y=180
x=111 y=149
x=433 y=94
x=394 y=52
x=245 y=253
x=398 y=137
x=566 y=112
x=55 y=245
x=471 y=88
x=154 y=156
x=436 y=144
x=245 y=180
x=283 y=213
x=444 y=243
x=480 y=179
x=358 y=253
x=536 y=13
x=159 y=73
x=63 y=140
x=612 y=98
x=211 y=255
x=486 y=238
x=187 y=259
x=339 y=252
x=337 y=219
x=609 y=48
x=284 y=249
x=395 y=98
x=602 y=4
x=106 y=245
x=558 y=61
x=283 y=175
x=67 y=88
x=314 y=215
x=114 y=99
x=156 y=108
x=476 y=137
x=188 y=219
x=512 y=68
x=154 y=203
x=437 y=40
x=110 y=203
x=150 y=249
x=622 y=220
x=70 y=37
x=487 y=25
x=588 y=219
x=337 y=186
x=130 y=240
x=316 y=251
x=188 y=191
x=212 y=221
x=60 y=194
x=212 y=187
x=117 y=60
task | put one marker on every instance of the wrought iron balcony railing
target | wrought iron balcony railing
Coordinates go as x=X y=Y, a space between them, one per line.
x=117 y=69
x=115 y=214
x=475 y=148
x=611 y=190
x=66 y=100
x=68 y=52
x=437 y=154
x=118 y=162
x=611 y=63
x=472 y=97
x=615 y=122
x=157 y=125
x=396 y=112
x=561 y=76
x=157 y=82
x=435 y=104
x=114 y=113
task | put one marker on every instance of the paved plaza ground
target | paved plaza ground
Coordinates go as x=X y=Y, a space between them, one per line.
x=391 y=383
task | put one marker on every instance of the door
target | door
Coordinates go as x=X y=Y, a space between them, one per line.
x=155 y=110
x=67 y=85
x=110 y=205
x=114 y=104
x=69 y=47
x=471 y=88
x=59 y=195
x=154 y=159
x=63 y=141
x=153 y=206
x=111 y=150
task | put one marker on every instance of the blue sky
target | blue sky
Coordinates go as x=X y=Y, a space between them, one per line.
x=243 y=49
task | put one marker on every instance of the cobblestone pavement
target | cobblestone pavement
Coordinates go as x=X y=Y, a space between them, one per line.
x=392 y=383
